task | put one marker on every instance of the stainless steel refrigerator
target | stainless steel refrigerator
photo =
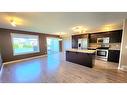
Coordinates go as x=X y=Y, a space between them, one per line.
x=83 y=43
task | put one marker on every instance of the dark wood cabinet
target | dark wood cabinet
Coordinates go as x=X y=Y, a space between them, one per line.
x=115 y=36
x=74 y=41
x=93 y=40
x=113 y=56
x=85 y=59
x=94 y=36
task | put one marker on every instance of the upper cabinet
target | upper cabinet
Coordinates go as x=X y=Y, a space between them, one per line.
x=94 y=36
x=115 y=36
x=74 y=41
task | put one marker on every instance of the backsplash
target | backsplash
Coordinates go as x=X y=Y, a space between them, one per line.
x=113 y=46
x=94 y=45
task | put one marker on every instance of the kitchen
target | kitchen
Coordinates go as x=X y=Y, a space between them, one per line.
x=39 y=49
x=97 y=49
x=105 y=45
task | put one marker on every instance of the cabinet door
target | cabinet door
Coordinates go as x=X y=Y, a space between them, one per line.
x=74 y=42
x=113 y=55
x=84 y=36
x=93 y=38
x=116 y=36
x=72 y=56
x=85 y=59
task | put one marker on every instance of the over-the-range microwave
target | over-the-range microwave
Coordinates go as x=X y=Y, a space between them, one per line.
x=103 y=40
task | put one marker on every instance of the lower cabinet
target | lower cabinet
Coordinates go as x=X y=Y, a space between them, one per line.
x=84 y=59
x=113 y=56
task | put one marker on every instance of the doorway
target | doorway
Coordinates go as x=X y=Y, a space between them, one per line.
x=52 y=45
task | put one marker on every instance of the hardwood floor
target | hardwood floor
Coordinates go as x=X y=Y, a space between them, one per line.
x=54 y=69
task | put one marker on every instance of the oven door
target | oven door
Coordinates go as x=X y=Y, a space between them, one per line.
x=102 y=53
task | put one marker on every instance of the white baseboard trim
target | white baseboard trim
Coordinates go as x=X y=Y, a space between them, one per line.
x=25 y=59
x=123 y=68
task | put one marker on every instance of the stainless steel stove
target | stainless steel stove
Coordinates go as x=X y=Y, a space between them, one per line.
x=102 y=53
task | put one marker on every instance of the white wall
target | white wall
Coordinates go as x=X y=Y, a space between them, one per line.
x=123 y=55
x=67 y=43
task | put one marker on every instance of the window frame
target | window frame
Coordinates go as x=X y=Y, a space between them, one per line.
x=15 y=54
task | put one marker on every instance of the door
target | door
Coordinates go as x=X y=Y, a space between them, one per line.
x=114 y=55
x=52 y=45
x=102 y=53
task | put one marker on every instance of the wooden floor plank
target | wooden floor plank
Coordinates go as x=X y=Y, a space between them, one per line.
x=54 y=69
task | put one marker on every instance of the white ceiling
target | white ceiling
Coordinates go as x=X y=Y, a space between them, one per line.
x=52 y=23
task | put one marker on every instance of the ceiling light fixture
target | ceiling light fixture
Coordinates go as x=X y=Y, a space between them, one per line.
x=79 y=29
x=13 y=23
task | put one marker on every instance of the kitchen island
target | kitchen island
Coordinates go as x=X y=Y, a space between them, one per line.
x=82 y=57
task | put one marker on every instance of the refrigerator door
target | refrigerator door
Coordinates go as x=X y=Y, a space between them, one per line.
x=79 y=43
x=84 y=43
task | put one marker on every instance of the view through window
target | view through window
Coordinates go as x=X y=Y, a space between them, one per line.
x=24 y=43
x=52 y=45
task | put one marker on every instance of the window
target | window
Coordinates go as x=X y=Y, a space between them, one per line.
x=24 y=44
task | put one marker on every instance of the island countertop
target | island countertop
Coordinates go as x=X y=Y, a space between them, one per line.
x=82 y=51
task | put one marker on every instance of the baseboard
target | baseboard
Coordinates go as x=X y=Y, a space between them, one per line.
x=124 y=68
x=25 y=59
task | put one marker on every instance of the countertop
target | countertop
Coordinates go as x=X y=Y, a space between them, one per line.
x=82 y=51
x=113 y=49
x=112 y=46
